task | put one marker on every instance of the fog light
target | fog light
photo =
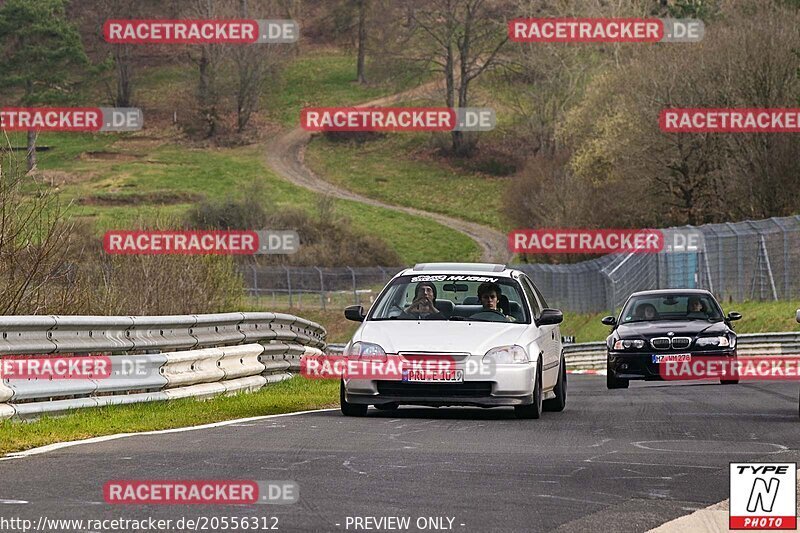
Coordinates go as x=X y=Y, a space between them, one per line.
x=623 y=366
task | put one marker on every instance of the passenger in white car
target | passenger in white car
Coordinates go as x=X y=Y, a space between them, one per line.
x=425 y=301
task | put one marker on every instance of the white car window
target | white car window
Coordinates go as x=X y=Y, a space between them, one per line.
x=456 y=298
x=531 y=294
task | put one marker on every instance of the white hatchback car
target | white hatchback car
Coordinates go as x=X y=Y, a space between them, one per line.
x=473 y=334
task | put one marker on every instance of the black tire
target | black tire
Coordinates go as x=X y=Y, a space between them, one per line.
x=534 y=410
x=350 y=409
x=612 y=381
x=387 y=406
x=558 y=403
x=734 y=381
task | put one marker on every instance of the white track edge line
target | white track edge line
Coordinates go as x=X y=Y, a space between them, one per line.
x=92 y=440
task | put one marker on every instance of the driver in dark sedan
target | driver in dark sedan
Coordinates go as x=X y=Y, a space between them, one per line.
x=696 y=307
x=645 y=311
x=424 y=303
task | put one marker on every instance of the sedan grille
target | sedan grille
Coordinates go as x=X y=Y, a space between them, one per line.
x=471 y=389
x=681 y=343
x=665 y=343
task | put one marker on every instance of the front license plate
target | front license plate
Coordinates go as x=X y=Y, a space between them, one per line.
x=433 y=376
x=672 y=357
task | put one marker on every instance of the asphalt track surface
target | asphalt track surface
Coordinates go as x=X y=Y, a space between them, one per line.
x=623 y=460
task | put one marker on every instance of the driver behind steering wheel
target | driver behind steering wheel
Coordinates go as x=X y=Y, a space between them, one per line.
x=489 y=295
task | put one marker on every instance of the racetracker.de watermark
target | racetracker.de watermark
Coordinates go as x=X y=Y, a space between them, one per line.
x=730 y=120
x=212 y=242
x=55 y=367
x=605 y=30
x=751 y=368
x=86 y=119
x=200 y=492
x=236 y=31
x=394 y=367
x=397 y=119
x=604 y=241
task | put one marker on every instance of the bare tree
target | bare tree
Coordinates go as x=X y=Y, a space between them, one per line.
x=122 y=53
x=748 y=61
x=34 y=237
x=208 y=58
x=255 y=65
x=362 y=41
x=462 y=39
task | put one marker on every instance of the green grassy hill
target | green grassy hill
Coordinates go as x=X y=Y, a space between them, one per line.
x=116 y=179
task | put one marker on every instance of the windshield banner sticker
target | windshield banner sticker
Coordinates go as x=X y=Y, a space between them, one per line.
x=481 y=279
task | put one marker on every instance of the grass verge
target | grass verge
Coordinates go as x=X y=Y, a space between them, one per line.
x=296 y=394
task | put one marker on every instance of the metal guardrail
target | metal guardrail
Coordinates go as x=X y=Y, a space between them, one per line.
x=223 y=353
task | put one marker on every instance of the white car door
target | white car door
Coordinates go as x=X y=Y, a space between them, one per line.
x=549 y=339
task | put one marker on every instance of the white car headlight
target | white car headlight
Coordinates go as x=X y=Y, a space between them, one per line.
x=507 y=354
x=366 y=350
x=706 y=342
x=628 y=344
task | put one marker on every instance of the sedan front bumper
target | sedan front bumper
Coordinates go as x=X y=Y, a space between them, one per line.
x=508 y=385
x=640 y=366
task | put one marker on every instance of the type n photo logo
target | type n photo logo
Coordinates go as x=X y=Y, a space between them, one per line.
x=763 y=496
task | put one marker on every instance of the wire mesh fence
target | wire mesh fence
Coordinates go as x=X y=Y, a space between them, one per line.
x=316 y=286
x=750 y=260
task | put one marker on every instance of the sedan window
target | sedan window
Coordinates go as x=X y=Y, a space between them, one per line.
x=678 y=306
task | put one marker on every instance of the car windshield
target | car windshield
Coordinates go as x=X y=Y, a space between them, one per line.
x=451 y=297
x=671 y=307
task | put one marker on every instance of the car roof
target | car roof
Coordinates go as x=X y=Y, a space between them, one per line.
x=672 y=291
x=486 y=269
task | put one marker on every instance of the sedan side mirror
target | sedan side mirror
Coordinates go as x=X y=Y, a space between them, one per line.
x=733 y=315
x=354 y=313
x=609 y=321
x=550 y=317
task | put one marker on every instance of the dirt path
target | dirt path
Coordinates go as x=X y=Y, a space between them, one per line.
x=286 y=157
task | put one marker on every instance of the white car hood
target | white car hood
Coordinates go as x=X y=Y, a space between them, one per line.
x=439 y=336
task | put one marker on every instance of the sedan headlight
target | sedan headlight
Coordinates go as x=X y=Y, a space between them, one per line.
x=627 y=344
x=712 y=342
x=366 y=350
x=507 y=354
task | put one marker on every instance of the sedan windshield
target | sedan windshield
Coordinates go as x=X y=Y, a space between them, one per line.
x=671 y=307
x=452 y=297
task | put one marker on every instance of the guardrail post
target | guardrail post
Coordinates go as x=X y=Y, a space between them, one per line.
x=289 y=285
x=255 y=284
x=321 y=288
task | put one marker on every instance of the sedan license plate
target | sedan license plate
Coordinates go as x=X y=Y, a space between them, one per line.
x=672 y=357
x=433 y=376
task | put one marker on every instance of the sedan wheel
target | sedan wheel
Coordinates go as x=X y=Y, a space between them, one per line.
x=560 y=401
x=350 y=409
x=533 y=410
x=612 y=381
